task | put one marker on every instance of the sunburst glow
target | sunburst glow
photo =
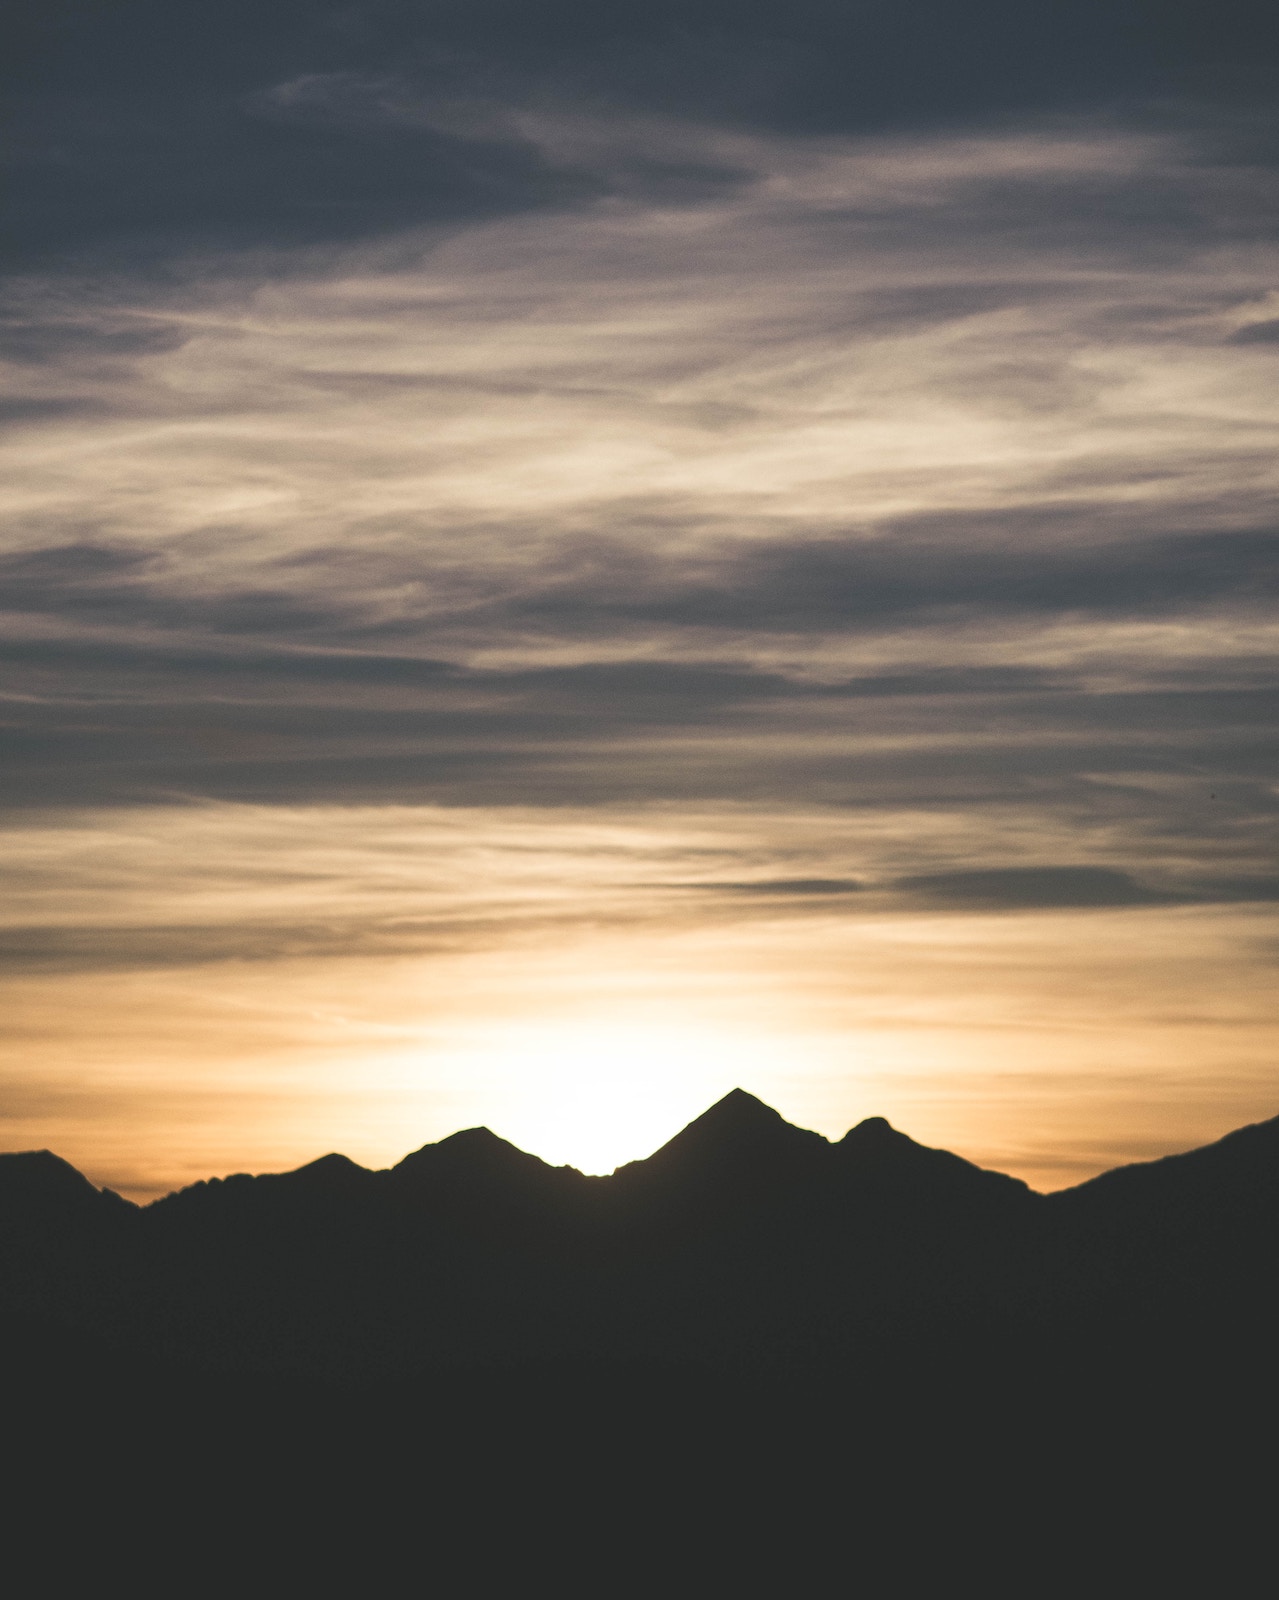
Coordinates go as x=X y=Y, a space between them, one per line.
x=596 y=1093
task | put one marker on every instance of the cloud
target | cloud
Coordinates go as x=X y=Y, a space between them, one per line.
x=141 y=132
x=1004 y=889
x=1023 y=560
x=47 y=951
x=1257 y=333
x=1034 y=888
x=785 y=888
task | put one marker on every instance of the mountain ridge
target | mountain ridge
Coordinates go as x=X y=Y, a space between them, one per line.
x=742 y=1244
x=737 y=1119
x=864 y=1322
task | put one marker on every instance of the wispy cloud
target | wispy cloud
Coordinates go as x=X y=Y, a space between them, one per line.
x=477 y=490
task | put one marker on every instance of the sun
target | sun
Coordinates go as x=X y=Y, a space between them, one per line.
x=594 y=1094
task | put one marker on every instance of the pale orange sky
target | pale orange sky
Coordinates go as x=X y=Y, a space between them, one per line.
x=270 y=985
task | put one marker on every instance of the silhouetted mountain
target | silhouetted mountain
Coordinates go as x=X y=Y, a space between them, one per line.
x=1240 y=1171
x=736 y=1140
x=36 y=1185
x=755 y=1344
x=877 y=1156
x=744 y=1243
x=334 y=1173
x=474 y=1180
x=732 y=1168
x=474 y=1158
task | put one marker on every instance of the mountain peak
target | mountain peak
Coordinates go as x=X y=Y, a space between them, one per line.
x=40 y=1182
x=875 y=1131
x=480 y=1138
x=877 y=1153
x=331 y=1170
x=740 y=1120
x=41 y=1173
x=738 y=1109
x=473 y=1154
x=738 y=1132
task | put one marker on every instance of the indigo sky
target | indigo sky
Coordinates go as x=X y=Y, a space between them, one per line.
x=559 y=558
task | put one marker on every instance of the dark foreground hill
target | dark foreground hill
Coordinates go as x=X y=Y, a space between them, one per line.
x=752 y=1343
x=745 y=1246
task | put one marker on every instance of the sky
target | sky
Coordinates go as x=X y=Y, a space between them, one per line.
x=561 y=558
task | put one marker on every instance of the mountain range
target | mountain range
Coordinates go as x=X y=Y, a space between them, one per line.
x=745 y=1244
x=756 y=1344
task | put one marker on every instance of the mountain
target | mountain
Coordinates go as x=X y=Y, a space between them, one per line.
x=753 y=1360
x=1239 y=1172
x=739 y=1139
x=38 y=1187
x=876 y=1155
x=743 y=1244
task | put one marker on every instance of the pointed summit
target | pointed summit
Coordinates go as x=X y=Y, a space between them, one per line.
x=737 y=1127
x=740 y=1100
x=738 y=1153
x=738 y=1113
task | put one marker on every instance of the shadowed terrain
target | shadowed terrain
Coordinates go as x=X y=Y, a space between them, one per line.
x=744 y=1244
x=753 y=1323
